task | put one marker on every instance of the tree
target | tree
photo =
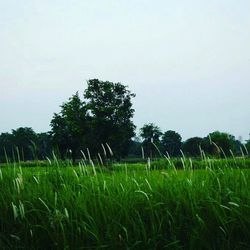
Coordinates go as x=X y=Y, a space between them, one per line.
x=6 y=145
x=171 y=142
x=24 y=141
x=104 y=116
x=192 y=146
x=70 y=127
x=150 y=134
x=111 y=112
x=220 y=144
x=24 y=144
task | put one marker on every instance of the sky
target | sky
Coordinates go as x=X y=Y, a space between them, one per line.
x=187 y=61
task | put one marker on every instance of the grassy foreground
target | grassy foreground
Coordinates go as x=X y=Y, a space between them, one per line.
x=135 y=207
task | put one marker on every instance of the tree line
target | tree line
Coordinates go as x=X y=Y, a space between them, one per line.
x=170 y=143
x=99 y=124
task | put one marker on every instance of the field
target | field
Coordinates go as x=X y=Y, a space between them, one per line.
x=179 y=204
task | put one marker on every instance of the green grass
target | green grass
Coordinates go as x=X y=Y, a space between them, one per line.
x=134 y=206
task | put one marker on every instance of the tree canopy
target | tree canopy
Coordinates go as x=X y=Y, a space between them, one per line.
x=102 y=119
x=111 y=111
x=151 y=135
x=171 y=142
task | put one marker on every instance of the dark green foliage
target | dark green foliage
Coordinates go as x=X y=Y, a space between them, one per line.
x=151 y=135
x=24 y=144
x=103 y=118
x=24 y=140
x=171 y=142
x=220 y=144
x=111 y=112
x=6 y=146
x=70 y=128
x=44 y=145
x=192 y=146
x=135 y=150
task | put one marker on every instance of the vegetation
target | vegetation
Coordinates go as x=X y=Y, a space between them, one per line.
x=67 y=188
x=102 y=120
x=104 y=116
x=128 y=207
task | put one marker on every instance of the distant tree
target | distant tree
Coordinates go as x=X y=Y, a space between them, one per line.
x=151 y=135
x=24 y=144
x=192 y=146
x=111 y=113
x=171 y=142
x=24 y=140
x=70 y=127
x=220 y=144
x=6 y=146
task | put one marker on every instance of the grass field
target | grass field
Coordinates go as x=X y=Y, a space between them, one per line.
x=158 y=205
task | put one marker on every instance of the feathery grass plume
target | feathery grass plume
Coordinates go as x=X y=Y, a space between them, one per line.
x=100 y=158
x=18 y=155
x=49 y=161
x=76 y=175
x=84 y=156
x=142 y=152
x=55 y=160
x=93 y=167
x=6 y=157
x=1 y=174
x=223 y=152
x=122 y=187
x=104 y=150
x=191 y=168
x=146 y=180
x=15 y=210
x=110 y=150
x=66 y=213
x=183 y=160
x=246 y=149
x=55 y=200
x=158 y=150
x=21 y=210
x=148 y=165
x=242 y=152
x=36 y=180
x=43 y=202
x=89 y=156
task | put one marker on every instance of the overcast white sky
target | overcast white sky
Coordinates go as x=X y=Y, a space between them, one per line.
x=187 y=61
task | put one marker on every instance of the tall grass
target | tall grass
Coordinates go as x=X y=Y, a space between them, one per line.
x=128 y=207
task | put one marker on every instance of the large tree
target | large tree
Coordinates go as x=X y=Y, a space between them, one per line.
x=102 y=119
x=171 y=142
x=70 y=126
x=111 y=113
